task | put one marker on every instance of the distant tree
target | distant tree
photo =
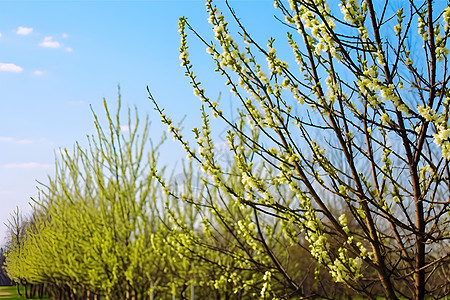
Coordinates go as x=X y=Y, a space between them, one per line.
x=19 y=229
x=16 y=233
x=355 y=124
x=4 y=279
x=94 y=234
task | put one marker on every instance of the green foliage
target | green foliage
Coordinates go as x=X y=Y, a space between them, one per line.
x=98 y=217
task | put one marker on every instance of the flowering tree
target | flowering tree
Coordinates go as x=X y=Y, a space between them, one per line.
x=98 y=231
x=355 y=124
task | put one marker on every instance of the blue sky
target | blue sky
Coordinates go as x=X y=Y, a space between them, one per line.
x=58 y=58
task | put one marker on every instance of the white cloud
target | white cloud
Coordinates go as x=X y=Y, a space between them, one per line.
x=24 y=30
x=24 y=142
x=1 y=34
x=76 y=102
x=38 y=72
x=65 y=35
x=10 y=68
x=30 y=165
x=69 y=49
x=8 y=139
x=48 y=42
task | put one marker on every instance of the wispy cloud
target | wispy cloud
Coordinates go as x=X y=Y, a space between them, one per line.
x=15 y=141
x=76 y=102
x=38 y=72
x=1 y=34
x=65 y=35
x=24 y=30
x=69 y=49
x=6 y=139
x=24 y=142
x=7 y=193
x=48 y=42
x=30 y=165
x=10 y=68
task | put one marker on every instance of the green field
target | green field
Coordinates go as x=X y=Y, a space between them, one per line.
x=10 y=292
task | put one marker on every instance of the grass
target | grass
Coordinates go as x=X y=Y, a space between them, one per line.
x=10 y=293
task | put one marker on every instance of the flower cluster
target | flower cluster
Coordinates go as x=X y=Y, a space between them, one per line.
x=276 y=65
x=333 y=91
x=446 y=17
x=369 y=83
x=345 y=267
x=421 y=26
x=440 y=121
x=322 y=38
x=184 y=54
x=441 y=50
x=398 y=27
x=441 y=138
x=426 y=174
x=266 y=289
x=355 y=15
